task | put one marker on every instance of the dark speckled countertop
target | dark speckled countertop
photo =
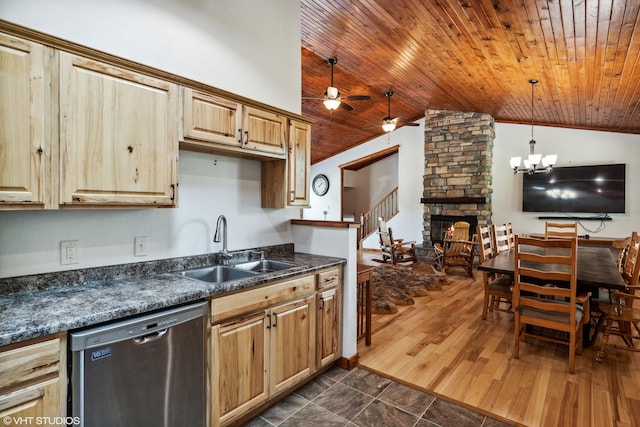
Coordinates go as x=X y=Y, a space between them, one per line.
x=43 y=304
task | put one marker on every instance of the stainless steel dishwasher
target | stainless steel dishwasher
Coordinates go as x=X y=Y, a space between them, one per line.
x=145 y=371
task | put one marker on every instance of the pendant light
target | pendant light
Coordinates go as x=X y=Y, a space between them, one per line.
x=532 y=162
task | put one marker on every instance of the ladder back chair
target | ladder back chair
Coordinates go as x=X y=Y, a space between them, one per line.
x=510 y=235
x=560 y=230
x=497 y=287
x=500 y=237
x=542 y=265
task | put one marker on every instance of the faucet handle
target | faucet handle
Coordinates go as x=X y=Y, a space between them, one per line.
x=260 y=253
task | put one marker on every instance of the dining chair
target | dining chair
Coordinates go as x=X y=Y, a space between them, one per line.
x=497 y=287
x=560 y=230
x=457 y=250
x=545 y=294
x=511 y=237
x=500 y=237
x=619 y=316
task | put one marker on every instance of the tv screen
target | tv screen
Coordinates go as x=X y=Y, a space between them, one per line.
x=576 y=189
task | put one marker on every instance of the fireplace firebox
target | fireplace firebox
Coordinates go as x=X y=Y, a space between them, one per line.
x=441 y=223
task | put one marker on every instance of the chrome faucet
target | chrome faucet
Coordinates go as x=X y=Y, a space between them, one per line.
x=221 y=228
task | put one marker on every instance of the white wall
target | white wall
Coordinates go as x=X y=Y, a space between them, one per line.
x=249 y=48
x=573 y=147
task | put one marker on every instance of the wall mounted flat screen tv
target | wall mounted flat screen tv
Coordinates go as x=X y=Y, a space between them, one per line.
x=596 y=189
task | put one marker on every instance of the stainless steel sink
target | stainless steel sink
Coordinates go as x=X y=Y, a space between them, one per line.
x=264 y=266
x=216 y=273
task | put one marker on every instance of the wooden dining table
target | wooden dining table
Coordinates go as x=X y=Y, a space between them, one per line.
x=597 y=268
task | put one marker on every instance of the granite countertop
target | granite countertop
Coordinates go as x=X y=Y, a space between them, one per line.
x=39 y=305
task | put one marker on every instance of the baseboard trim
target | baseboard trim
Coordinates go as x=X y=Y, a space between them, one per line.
x=348 y=363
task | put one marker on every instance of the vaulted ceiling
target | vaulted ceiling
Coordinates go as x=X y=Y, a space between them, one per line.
x=468 y=55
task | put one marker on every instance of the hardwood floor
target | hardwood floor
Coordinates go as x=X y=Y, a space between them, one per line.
x=441 y=345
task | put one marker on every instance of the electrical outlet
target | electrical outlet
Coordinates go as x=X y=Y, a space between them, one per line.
x=140 y=246
x=69 y=253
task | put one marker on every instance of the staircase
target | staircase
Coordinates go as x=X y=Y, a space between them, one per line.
x=386 y=208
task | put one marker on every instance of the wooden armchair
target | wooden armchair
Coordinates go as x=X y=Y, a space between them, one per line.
x=457 y=250
x=620 y=308
x=548 y=306
x=396 y=251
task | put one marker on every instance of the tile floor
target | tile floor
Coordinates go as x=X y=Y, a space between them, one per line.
x=362 y=398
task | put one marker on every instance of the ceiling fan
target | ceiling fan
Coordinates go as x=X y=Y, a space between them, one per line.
x=389 y=123
x=332 y=99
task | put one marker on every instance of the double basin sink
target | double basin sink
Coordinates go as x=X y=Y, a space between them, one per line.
x=225 y=273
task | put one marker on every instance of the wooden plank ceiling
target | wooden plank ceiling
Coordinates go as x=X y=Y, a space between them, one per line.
x=468 y=55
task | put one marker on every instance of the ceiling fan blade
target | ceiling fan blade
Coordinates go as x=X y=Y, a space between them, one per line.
x=410 y=124
x=358 y=97
x=346 y=106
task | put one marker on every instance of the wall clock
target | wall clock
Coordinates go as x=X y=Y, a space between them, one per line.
x=320 y=184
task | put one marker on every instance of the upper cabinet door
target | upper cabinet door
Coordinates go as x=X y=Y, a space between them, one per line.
x=212 y=118
x=23 y=148
x=298 y=163
x=118 y=136
x=264 y=131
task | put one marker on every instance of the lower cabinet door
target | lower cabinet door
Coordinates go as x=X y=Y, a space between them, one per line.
x=328 y=326
x=239 y=361
x=34 y=404
x=292 y=343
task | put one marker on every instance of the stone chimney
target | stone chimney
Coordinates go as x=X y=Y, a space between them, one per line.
x=458 y=150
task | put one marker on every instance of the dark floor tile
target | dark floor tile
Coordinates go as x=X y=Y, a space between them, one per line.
x=313 y=415
x=314 y=388
x=284 y=409
x=343 y=400
x=336 y=373
x=366 y=382
x=406 y=398
x=258 y=422
x=381 y=414
x=448 y=414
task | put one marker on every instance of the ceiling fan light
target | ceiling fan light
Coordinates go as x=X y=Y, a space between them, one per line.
x=332 y=92
x=388 y=125
x=331 y=104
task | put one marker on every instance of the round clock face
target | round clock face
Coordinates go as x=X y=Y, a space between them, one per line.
x=320 y=185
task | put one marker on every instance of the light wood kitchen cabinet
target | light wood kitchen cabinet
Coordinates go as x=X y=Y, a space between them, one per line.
x=329 y=324
x=215 y=124
x=118 y=136
x=25 y=148
x=298 y=160
x=33 y=381
x=263 y=342
x=286 y=182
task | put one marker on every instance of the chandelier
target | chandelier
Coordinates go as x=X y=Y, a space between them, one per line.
x=534 y=163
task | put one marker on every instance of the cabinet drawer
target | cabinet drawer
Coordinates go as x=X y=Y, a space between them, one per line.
x=255 y=299
x=329 y=278
x=29 y=362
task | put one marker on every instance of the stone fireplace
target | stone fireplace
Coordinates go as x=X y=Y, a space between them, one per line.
x=457 y=171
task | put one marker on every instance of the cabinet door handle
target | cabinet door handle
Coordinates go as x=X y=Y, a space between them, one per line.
x=240 y=136
x=275 y=319
x=246 y=137
x=321 y=304
x=269 y=321
x=293 y=196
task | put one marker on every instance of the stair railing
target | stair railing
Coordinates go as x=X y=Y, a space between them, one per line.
x=386 y=208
